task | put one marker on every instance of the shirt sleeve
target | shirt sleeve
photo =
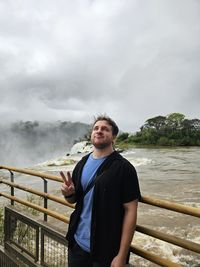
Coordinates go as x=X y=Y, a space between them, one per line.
x=130 y=184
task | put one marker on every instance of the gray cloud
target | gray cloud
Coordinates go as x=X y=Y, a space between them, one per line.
x=70 y=60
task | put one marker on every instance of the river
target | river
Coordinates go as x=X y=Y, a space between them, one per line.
x=170 y=174
x=165 y=173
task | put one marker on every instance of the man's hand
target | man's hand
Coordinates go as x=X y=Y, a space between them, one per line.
x=67 y=187
x=118 y=262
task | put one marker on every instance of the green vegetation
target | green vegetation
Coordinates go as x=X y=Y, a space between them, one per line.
x=29 y=197
x=32 y=199
x=172 y=130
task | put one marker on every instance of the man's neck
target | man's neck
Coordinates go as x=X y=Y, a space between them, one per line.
x=99 y=153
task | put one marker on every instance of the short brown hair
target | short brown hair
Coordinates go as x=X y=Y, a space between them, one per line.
x=110 y=121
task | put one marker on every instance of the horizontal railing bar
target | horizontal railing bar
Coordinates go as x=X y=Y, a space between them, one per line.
x=169 y=238
x=138 y=251
x=34 y=173
x=37 y=207
x=162 y=236
x=152 y=257
x=169 y=205
x=15 y=250
x=144 y=199
x=41 y=194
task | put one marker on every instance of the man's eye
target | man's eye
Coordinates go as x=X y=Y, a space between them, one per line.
x=106 y=129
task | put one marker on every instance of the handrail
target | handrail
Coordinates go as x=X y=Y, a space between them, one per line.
x=152 y=257
x=165 y=237
x=144 y=199
x=34 y=173
x=169 y=238
x=37 y=207
x=169 y=205
x=41 y=194
x=138 y=251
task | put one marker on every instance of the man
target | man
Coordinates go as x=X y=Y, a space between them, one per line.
x=102 y=226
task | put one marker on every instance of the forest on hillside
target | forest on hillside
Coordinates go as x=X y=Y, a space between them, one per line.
x=171 y=130
x=25 y=143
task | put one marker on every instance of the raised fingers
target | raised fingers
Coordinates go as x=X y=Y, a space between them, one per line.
x=67 y=180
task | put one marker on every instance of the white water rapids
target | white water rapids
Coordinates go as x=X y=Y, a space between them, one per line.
x=166 y=173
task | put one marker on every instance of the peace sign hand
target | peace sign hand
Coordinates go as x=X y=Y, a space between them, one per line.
x=67 y=187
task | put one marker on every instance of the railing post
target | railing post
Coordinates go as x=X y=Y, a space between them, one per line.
x=45 y=199
x=128 y=257
x=12 y=192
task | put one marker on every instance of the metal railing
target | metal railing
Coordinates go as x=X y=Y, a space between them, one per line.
x=6 y=260
x=186 y=244
x=32 y=242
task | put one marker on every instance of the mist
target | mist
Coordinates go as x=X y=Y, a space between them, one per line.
x=26 y=143
x=70 y=60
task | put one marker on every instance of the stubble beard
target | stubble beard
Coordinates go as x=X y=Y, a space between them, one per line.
x=102 y=145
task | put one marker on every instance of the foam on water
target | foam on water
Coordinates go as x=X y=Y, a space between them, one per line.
x=63 y=161
x=128 y=152
x=165 y=250
x=139 y=161
x=72 y=159
x=81 y=148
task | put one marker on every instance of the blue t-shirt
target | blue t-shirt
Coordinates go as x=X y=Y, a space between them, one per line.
x=82 y=235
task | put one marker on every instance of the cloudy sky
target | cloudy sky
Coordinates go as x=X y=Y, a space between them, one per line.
x=71 y=60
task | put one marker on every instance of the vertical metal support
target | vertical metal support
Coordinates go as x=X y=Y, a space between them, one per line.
x=37 y=245
x=45 y=199
x=12 y=192
x=128 y=257
x=42 y=247
x=6 y=226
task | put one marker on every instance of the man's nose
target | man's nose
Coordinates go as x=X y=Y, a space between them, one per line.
x=99 y=130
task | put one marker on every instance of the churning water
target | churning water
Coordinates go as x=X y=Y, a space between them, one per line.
x=171 y=174
x=165 y=173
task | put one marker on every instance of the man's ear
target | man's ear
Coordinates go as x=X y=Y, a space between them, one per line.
x=114 y=139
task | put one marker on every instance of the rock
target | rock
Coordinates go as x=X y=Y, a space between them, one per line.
x=81 y=147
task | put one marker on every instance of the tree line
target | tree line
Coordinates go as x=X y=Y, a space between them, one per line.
x=25 y=143
x=171 y=130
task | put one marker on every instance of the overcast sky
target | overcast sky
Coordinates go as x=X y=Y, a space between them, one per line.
x=71 y=60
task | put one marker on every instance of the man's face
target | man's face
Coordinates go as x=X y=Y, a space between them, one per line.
x=102 y=135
